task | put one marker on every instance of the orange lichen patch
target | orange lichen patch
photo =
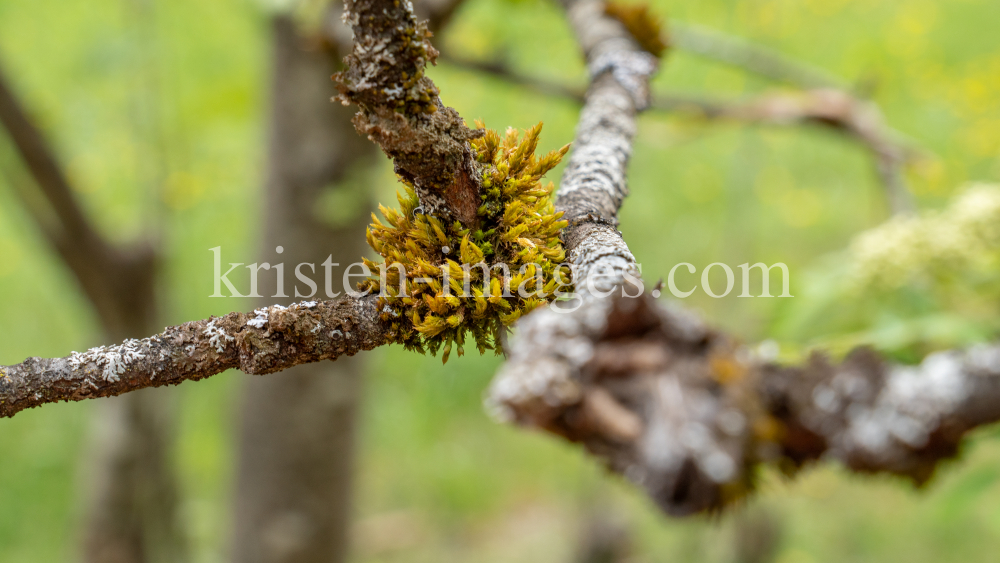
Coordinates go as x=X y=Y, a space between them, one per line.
x=645 y=27
x=726 y=370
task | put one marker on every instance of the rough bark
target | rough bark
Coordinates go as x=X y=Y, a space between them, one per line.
x=400 y=109
x=297 y=429
x=681 y=410
x=594 y=183
x=685 y=412
x=688 y=413
x=267 y=340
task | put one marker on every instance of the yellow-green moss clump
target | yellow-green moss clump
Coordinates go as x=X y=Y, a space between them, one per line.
x=451 y=273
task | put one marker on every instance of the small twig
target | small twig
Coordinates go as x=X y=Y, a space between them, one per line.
x=500 y=69
x=860 y=120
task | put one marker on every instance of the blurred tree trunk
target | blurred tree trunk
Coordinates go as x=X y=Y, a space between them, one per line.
x=131 y=511
x=297 y=431
x=132 y=499
x=131 y=496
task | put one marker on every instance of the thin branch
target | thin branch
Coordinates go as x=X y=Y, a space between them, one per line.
x=73 y=228
x=499 y=68
x=714 y=45
x=264 y=341
x=384 y=74
x=861 y=120
x=117 y=280
x=594 y=185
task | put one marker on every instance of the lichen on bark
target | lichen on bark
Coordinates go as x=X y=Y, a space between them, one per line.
x=400 y=109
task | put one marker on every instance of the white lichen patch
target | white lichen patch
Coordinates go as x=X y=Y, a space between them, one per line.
x=910 y=407
x=112 y=360
x=217 y=336
x=631 y=69
x=260 y=319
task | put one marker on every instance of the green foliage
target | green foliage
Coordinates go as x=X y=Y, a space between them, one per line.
x=912 y=285
x=439 y=281
x=936 y=250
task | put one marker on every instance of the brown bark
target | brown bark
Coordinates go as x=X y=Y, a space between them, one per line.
x=683 y=411
x=400 y=109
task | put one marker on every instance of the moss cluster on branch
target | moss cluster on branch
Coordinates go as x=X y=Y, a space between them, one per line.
x=439 y=281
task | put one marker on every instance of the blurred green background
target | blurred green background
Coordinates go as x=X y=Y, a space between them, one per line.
x=157 y=110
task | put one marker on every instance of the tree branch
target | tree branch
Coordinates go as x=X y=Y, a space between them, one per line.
x=594 y=185
x=688 y=414
x=860 y=120
x=73 y=228
x=265 y=341
x=685 y=412
x=401 y=110
x=734 y=51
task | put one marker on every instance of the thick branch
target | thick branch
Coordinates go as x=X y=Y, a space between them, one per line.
x=401 y=110
x=685 y=412
x=264 y=341
x=688 y=414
